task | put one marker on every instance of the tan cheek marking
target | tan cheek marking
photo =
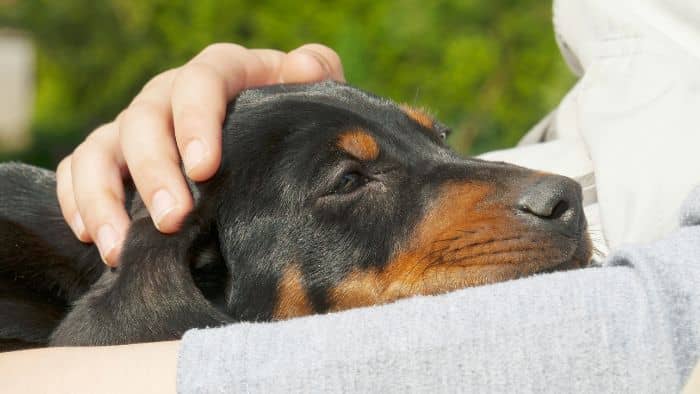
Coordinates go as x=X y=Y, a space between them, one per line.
x=418 y=115
x=359 y=144
x=359 y=288
x=459 y=207
x=405 y=275
x=292 y=300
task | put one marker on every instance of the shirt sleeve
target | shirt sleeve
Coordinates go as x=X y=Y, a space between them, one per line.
x=630 y=326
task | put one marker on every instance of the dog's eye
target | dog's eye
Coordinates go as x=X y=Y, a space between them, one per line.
x=350 y=182
x=442 y=132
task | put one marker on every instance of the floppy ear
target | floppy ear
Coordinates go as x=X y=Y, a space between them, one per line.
x=43 y=267
x=153 y=295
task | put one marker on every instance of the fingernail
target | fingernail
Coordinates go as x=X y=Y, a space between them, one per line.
x=162 y=203
x=194 y=154
x=78 y=226
x=106 y=240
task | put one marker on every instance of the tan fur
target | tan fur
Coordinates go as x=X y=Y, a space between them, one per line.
x=360 y=144
x=420 y=116
x=464 y=240
x=292 y=300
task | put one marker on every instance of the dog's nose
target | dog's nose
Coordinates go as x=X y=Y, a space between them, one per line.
x=554 y=201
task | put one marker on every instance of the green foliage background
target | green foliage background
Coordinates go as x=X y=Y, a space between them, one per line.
x=488 y=68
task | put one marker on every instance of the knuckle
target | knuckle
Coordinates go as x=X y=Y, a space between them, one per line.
x=314 y=46
x=100 y=133
x=218 y=48
x=119 y=117
x=147 y=172
x=325 y=53
x=93 y=143
x=91 y=148
x=160 y=79
x=63 y=167
x=140 y=115
x=197 y=70
x=141 y=108
x=333 y=58
x=82 y=151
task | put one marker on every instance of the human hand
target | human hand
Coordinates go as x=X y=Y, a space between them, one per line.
x=177 y=115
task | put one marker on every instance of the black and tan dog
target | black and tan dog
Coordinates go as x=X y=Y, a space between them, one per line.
x=327 y=198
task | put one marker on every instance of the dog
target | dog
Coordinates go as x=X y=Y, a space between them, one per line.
x=327 y=198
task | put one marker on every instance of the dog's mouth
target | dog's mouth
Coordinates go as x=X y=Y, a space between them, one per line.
x=581 y=258
x=462 y=261
x=503 y=259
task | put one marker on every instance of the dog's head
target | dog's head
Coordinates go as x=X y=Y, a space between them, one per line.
x=329 y=198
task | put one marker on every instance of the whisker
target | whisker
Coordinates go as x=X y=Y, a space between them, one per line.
x=417 y=95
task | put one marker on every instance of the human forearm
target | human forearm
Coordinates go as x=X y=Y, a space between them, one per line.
x=140 y=368
x=547 y=333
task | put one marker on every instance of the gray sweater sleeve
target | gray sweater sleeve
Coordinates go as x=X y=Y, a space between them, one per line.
x=630 y=326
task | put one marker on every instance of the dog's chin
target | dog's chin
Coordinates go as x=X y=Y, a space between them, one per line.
x=580 y=258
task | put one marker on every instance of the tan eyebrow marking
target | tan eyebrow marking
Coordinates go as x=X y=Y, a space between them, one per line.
x=360 y=144
x=419 y=115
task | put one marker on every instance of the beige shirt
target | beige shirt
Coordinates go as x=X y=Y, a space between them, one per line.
x=629 y=129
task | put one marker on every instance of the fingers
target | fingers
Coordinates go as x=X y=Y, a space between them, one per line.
x=177 y=116
x=201 y=92
x=311 y=62
x=66 y=200
x=146 y=141
x=198 y=108
x=96 y=169
x=206 y=84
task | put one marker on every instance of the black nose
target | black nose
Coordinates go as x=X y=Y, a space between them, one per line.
x=555 y=201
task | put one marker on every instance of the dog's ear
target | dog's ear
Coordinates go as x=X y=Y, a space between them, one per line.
x=165 y=284
x=43 y=267
x=36 y=244
x=151 y=296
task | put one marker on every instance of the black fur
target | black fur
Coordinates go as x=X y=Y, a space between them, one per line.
x=272 y=203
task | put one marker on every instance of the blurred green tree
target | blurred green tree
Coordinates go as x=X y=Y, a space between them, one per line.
x=490 y=69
